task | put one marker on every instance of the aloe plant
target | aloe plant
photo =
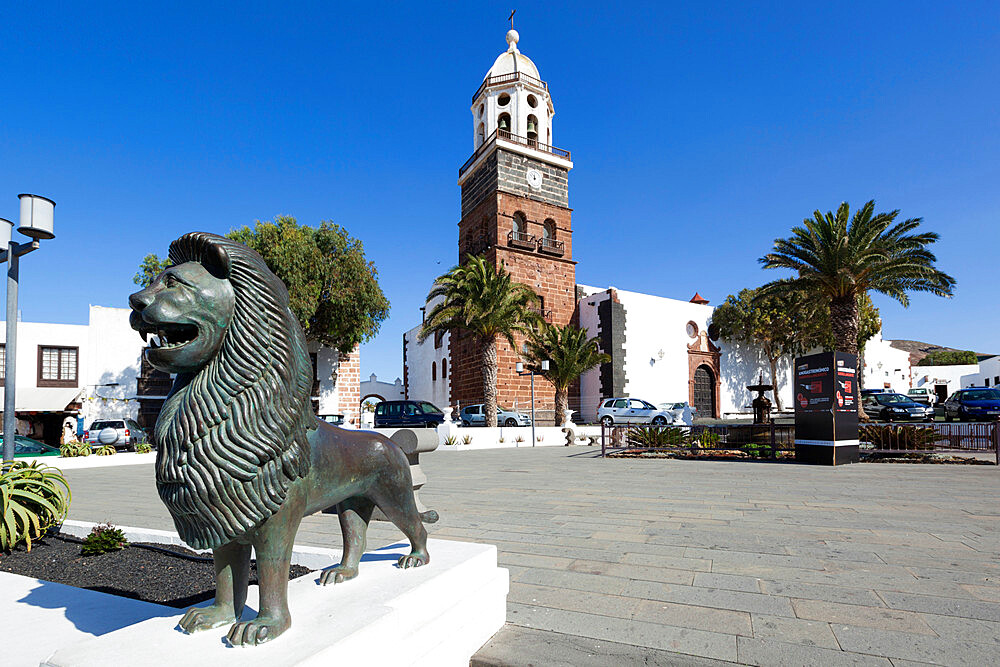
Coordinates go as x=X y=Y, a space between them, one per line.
x=106 y=450
x=33 y=498
x=143 y=448
x=451 y=441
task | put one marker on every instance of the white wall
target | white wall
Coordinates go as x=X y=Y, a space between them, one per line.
x=656 y=340
x=590 y=382
x=955 y=377
x=885 y=365
x=741 y=365
x=114 y=350
x=989 y=373
x=419 y=357
x=31 y=335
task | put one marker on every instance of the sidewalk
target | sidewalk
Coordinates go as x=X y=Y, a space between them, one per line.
x=697 y=562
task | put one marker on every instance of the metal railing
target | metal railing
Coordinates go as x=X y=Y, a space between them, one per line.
x=551 y=246
x=521 y=239
x=509 y=78
x=763 y=441
x=895 y=438
x=875 y=438
x=504 y=135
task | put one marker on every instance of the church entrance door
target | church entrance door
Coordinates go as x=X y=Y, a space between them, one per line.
x=704 y=392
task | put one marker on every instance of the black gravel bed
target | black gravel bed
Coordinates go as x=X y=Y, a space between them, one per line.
x=179 y=579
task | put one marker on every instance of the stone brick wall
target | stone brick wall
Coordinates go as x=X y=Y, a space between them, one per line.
x=490 y=198
x=511 y=175
x=349 y=385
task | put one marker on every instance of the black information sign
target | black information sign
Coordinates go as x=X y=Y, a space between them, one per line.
x=826 y=408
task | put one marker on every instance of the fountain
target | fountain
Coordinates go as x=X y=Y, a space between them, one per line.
x=761 y=405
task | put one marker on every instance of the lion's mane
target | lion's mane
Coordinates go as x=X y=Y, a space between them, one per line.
x=233 y=439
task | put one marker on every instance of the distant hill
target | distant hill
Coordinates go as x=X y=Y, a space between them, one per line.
x=918 y=349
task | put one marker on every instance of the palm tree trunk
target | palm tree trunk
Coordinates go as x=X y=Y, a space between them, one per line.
x=562 y=403
x=774 y=381
x=489 y=357
x=844 y=320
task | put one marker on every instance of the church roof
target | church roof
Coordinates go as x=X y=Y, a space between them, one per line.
x=699 y=299
x=513 y=60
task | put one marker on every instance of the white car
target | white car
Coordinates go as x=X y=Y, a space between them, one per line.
x=922 y=395
x=682 y=412
x=632 y=411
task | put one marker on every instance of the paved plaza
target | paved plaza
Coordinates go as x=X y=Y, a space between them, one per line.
x=697 y=562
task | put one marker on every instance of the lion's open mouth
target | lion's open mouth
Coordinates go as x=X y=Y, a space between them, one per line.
x=168 y=336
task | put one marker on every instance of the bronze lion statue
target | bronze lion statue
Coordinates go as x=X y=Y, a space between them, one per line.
x=241 y=458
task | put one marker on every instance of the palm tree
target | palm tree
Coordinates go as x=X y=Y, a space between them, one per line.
x=487 y=302
x=570 y=354
x=839 y=258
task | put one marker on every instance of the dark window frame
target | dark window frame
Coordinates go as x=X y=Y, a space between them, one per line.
x=60 y=382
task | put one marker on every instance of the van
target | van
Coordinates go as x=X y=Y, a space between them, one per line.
x=403 y=414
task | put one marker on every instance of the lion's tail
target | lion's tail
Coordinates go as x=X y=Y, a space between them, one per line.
x=430 y=516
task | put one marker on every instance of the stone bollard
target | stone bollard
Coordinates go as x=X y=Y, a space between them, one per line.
x=413 y=442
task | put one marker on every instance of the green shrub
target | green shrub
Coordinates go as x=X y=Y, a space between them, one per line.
x=143 y=448
x=656 y=436
x=71 y=449
x=709 y=439
x=33 y=498
x=106 y=450
x=103 y=539
x=451 y=441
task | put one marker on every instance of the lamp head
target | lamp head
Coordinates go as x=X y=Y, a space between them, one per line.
x=519 y=367
x=37 y=216
x=6 y=227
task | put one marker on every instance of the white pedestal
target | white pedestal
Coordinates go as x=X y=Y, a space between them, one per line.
x=438 y=614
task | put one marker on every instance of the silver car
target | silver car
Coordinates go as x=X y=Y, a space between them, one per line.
x=474 y=415
x=632 y=411
x=118 y=432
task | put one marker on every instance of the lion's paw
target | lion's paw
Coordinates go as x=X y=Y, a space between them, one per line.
x=414 y=559
x=257 y=631
x=337 y=575
x=197 y=619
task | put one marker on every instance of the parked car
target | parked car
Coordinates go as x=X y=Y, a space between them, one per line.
x=474 y=415
x=922 y=395
x=896 y=407
x=973 y=404
x=28 y=447
x=400 y=414
x=122 y=433
x=677 y=409
x=632 y=411
x=336 y=420
x=869 y=392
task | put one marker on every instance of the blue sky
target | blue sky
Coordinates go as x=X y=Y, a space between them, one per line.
x=699 y=134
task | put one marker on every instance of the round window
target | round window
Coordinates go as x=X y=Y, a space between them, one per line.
x=532 y=101
x=692 y=329
x=503 y=100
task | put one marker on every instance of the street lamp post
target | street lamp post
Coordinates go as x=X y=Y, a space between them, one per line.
x=520 y=371
x=36 y=223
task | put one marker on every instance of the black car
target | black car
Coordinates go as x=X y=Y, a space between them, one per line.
x=973 y=404
x=896 y=407
x=400 y=414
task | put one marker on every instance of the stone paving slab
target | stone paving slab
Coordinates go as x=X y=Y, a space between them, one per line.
x=697 y=562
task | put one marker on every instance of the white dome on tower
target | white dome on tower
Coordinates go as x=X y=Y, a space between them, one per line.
x=512 y=60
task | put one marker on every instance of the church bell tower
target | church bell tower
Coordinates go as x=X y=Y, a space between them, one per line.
x=515 y=211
